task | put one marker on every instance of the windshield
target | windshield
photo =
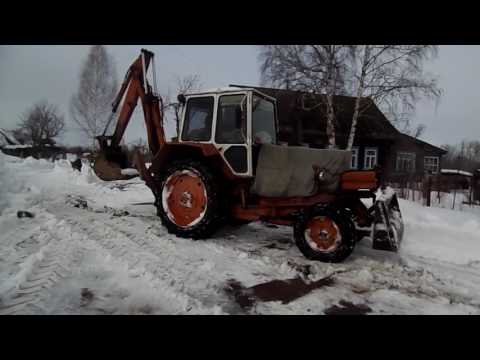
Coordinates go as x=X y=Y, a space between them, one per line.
x=198 y=119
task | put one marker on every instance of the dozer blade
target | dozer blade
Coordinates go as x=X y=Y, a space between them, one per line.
x=388 y=227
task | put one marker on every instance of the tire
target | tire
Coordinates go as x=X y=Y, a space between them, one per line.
x=202 y=207
x=337 y=228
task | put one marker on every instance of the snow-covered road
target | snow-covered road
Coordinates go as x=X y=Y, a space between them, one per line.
x=95 y=247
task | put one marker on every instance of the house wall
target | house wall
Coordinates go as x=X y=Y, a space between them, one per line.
x=476 y=185
x=406 y=144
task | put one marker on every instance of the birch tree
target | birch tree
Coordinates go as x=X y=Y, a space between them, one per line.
x=91 y=106
x=320 y=69
x=391 y=76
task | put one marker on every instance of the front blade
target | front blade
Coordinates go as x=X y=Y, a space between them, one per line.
x=388 y=228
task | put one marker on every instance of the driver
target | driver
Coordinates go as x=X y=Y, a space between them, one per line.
x=262 y=137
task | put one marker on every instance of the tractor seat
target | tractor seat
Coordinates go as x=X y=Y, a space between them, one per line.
x=289 y=171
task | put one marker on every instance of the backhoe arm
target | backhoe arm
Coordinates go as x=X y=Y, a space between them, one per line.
x=134 y=87
x=112 y=160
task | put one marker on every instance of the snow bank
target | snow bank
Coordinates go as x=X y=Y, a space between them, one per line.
x=18 y=146
x=441 y=234
x=129 y=172
x=9 y=184
x=458 y=172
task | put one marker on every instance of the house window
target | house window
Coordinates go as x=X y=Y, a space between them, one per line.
x=354 y=164
x=431 y=164
x=370 y=158
x=405 y=162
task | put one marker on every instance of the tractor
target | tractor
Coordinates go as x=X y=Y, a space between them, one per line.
x=227 y=165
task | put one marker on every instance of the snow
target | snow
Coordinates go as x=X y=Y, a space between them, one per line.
x=385 y=194
x=17 y=146
x=98 y=247
x=459 y=172
x=128 y=172
x=215 y=90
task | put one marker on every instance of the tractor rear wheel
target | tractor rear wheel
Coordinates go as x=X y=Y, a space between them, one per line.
x=325 y=234
x=189 y=202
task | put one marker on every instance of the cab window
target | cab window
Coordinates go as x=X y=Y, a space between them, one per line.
x=231 y=119
x=198 y=119
x=263 y=121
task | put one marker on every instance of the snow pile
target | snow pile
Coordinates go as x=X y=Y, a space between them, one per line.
x=458 y=172
x=441 y=234
x=17 y=147
x=9 y=185
x=129 y=172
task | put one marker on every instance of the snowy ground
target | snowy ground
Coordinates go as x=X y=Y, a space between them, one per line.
x=98 y=248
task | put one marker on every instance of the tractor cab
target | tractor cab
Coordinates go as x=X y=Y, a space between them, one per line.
x=235 y=120
x=242 y=125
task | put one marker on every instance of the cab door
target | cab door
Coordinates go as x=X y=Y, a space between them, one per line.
x=232 y=131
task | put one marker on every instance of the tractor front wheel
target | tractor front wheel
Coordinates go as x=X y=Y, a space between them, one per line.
x=325 y=234
x=189 y=202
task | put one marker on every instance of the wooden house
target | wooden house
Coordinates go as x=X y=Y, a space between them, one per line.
x=302 y=121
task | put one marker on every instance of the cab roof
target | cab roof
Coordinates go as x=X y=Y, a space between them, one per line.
x=223 y=90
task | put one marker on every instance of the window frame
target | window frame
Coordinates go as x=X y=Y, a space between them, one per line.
x=212 y=125
x=275 y=115
x=365 y=157
x=437 y=164
x=217 y=114
x=355 y=149
x=413 y=158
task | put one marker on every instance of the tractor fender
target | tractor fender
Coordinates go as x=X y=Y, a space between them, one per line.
x=206 y=153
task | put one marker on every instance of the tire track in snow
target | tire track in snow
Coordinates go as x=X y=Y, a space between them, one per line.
x=193 y=273
x=177 y=263
x=196 y=271
x=51 y=263
x=140 y=262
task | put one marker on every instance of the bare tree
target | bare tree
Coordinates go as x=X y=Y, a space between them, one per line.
x=462 y=156
x=183 y=85
x=310 y=68
x=392 y=76
x=90 y=107
x=416 y=131
x=40 y=124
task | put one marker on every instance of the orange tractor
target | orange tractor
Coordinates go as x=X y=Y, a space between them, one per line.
x=227 y=165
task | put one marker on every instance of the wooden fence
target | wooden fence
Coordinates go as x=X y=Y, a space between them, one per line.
x=447 y=191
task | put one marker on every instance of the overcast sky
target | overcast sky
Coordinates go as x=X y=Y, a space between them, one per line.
x=32 y=73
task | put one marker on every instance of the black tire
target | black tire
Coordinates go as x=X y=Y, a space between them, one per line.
x=237 y=222
x=211 y=220
x=345 y=226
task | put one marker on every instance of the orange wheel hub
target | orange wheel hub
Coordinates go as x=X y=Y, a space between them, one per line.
x=322 y=234
x=184 y=198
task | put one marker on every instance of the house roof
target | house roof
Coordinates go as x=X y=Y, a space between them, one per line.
x=6 y=138
x=372 y=123
x=424 y=144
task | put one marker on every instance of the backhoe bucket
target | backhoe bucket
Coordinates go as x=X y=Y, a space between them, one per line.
x=110 y=163
x=388 y=227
